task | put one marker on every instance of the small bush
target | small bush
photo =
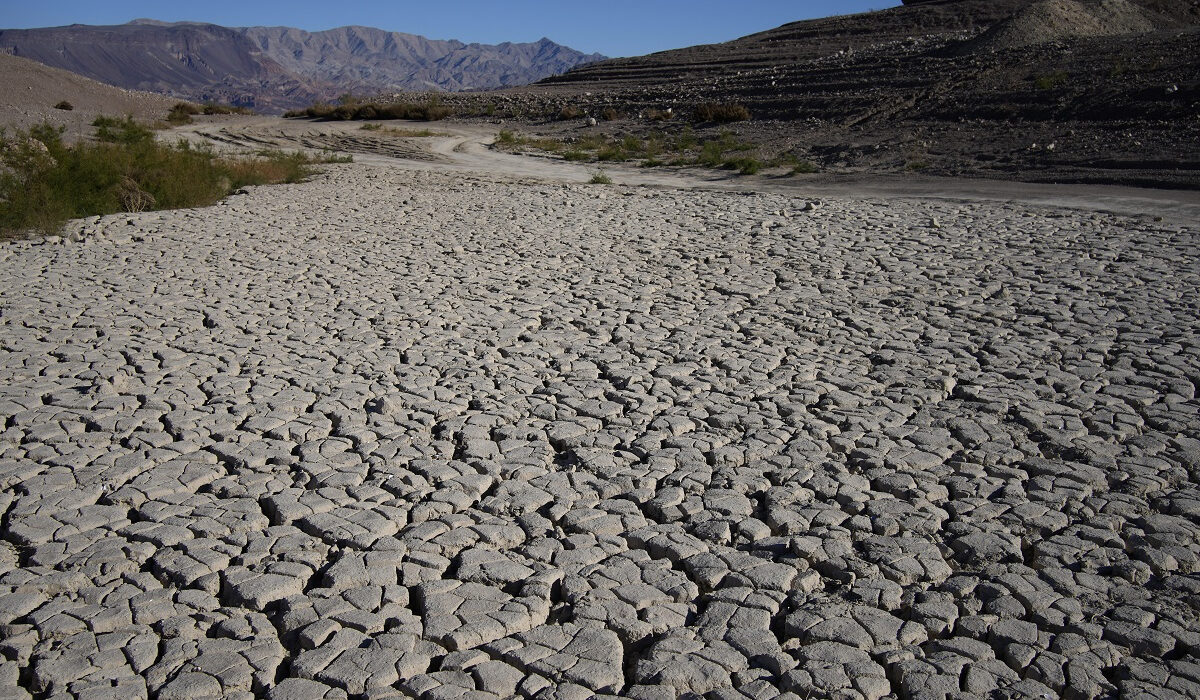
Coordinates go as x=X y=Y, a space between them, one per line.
x=600 y=178
x=610 y=152
x=331 y=157
x=65 y=106
x=722 y=113
x=686 y=140
x=712 y=154
x=182 y=113
x=745 y=166
x=570 y=112
x=659 y=115
x=124 y=131
x=805 y=167
x=609 y=114
x=211 y=108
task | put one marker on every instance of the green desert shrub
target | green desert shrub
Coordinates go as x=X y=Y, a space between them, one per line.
x=182 y=113
x=217 y=108
x=805 y=167
x=744 y=165
x=44 y=182
x=122 y=131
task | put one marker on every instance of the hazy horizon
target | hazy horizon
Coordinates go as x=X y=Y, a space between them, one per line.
x=619 y=28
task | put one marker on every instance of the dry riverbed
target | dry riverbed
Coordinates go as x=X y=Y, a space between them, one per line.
x=413 y=431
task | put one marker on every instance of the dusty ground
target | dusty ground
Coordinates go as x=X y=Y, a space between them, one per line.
x=418 y=428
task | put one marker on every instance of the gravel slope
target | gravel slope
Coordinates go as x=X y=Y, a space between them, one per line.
x=29 y=91
x=398 y=433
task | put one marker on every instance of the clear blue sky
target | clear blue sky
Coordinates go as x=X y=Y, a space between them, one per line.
x=611 y=27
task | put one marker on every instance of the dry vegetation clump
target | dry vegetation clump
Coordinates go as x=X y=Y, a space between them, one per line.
x=182 y=112
x=569 y=112
x=402 y=133
x=44 y=182
x=722 y=113
x=65 y=106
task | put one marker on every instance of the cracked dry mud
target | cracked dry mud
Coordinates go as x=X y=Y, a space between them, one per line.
x=401 y=434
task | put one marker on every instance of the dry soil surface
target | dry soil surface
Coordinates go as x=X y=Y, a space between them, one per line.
x=418 y=429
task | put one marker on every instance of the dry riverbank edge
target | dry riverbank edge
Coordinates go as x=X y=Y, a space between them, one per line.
x=422 y=431
x=465 y=146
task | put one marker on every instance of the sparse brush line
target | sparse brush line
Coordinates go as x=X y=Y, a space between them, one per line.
x=431 y=111
x=182 y=112
x=402 y=133
x=44 y=182
x=725 y=151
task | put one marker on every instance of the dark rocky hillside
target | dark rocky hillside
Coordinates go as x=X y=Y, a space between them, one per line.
x=277 y=68
x=1062 y=90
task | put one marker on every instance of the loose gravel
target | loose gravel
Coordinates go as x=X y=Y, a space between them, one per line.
x=397 y=434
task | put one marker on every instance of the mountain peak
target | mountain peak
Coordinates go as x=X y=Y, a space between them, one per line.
x=146 y=21
x=280 y=68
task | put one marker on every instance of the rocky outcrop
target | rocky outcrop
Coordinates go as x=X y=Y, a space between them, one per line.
x=1065 y=20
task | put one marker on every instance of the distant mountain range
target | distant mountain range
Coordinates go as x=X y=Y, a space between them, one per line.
x=272 y=69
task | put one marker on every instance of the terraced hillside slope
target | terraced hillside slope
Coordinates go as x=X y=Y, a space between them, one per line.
x=1061 y=90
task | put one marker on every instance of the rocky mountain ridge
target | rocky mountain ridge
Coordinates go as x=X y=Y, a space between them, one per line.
x=277 y=68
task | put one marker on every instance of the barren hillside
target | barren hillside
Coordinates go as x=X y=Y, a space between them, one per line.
x=29 y=92
x=1043 y=90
